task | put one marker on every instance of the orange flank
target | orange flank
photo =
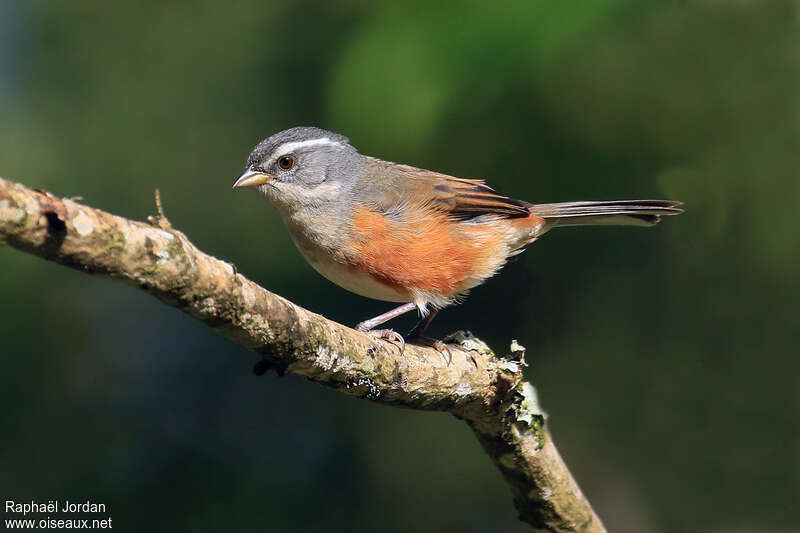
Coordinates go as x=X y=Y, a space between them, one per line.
x=529 y=222
x=426 y=251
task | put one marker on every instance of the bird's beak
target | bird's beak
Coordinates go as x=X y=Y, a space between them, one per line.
x=253 y=178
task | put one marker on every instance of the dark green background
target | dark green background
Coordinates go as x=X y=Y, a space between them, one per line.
x=666 y=357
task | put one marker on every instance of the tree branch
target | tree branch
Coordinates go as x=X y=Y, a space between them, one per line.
x=485 y=390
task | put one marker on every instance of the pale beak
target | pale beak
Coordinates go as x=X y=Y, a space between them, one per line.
x=253 y=178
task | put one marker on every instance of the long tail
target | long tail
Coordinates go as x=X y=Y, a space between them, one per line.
x=618 y=213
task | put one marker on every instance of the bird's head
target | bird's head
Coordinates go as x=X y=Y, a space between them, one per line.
x=302 y=167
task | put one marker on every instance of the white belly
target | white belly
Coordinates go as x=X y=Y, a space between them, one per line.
x=345 y=276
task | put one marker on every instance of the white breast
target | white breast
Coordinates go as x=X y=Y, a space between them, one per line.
x=355 y=280
x=345 y=276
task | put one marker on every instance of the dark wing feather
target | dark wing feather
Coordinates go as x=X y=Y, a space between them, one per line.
x=464 y=199
x=459 y=198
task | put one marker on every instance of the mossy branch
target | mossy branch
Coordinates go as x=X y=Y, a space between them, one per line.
x=487 y=391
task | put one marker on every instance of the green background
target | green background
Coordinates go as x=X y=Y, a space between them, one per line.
x=667 y=357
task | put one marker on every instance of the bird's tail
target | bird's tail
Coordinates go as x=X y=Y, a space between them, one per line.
x=615 y=213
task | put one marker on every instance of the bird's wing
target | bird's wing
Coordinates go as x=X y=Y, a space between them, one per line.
x=458 y=198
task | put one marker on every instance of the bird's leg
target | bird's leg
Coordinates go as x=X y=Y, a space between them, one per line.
x=386 y=334
x=423 y=324
x=367 y=325
x=415 y=335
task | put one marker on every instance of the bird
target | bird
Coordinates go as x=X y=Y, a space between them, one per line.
x=402 y=234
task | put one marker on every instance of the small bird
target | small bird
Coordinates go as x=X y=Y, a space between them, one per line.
x=398 y=233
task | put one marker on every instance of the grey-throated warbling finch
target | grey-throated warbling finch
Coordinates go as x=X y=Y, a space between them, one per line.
x=403 y=234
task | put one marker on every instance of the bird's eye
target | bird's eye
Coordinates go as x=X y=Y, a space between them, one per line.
x=286 y=162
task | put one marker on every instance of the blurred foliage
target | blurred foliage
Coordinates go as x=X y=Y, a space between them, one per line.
x=667 y=358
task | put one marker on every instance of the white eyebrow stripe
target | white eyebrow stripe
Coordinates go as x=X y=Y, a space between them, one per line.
x=290 y=147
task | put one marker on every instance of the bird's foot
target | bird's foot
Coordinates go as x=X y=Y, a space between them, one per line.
x=388 y=335
x=439 y=346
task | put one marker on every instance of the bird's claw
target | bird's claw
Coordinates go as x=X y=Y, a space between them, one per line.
x=396 y=339
x=389 y=335
x=439 y=346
